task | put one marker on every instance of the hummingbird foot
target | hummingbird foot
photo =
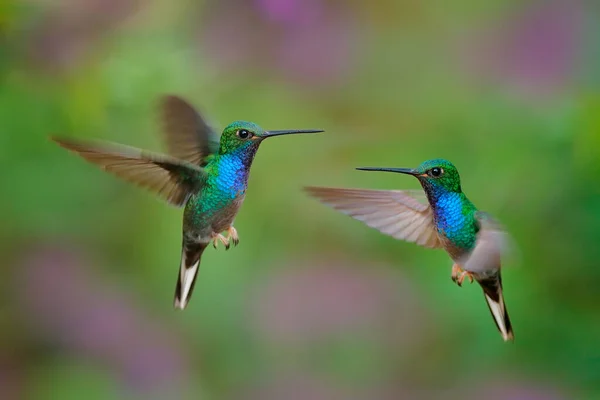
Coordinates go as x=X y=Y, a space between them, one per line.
x=217 y=237
x=459 y=275
x=233 y=236
x=456 y=270
x=462 y=276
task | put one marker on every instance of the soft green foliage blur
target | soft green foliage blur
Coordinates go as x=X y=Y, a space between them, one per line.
x=530 y=159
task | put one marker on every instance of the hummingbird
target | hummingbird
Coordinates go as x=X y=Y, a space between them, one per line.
x=205 y=174
x=473 y=239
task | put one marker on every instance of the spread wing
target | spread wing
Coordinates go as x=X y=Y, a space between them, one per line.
x=172 y=179
x=492 y=241
x=187 y=134
x=392 y=212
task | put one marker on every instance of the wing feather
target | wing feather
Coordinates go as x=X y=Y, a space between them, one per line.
x=392 y=212
x=492 y=242
x=172 y=179
x=187 y=134
x=485 y=263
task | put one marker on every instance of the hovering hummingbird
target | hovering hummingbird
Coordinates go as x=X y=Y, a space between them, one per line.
x=472 y=238
x=207 y=175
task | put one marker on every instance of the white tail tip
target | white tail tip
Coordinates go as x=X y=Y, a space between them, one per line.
x=498 y=310
x=185 y=284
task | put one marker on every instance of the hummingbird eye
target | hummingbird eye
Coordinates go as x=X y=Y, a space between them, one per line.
x=244 y=134
x=436 y=172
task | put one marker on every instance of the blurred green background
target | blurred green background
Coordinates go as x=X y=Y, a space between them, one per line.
x=312 y=304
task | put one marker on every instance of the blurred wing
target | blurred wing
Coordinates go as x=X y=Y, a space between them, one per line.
x=492 y=242
x=392 y=212
x=188 y=136
x=485 y=262
x=172 y=179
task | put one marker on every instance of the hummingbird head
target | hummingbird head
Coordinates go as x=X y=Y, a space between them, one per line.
x=244 y=135
x=436 y=176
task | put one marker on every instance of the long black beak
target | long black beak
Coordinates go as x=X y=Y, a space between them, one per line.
x=290 y=132
x=408 y=171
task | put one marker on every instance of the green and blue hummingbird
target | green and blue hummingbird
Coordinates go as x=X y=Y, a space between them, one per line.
x=472 y=238
x=206 y=174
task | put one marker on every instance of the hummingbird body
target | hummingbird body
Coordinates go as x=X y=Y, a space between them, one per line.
x=222 y=194
x=210 y=211
x=206 y=174
x=472 y=239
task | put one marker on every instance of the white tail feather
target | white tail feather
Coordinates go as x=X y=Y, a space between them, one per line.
x=187 y=274
x=498 y=310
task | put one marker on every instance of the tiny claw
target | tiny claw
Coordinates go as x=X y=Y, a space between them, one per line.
x=462 y=276
x=456 y=271
x=233 y=235
x=220 y=238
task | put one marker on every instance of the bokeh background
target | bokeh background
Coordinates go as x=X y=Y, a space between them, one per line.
x=312 y=305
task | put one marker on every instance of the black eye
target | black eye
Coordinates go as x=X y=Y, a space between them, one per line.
x=244 y=134
x=436 y=172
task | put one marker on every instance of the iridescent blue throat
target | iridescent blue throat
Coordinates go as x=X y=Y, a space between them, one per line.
x=453 y=216
x=233 y=171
